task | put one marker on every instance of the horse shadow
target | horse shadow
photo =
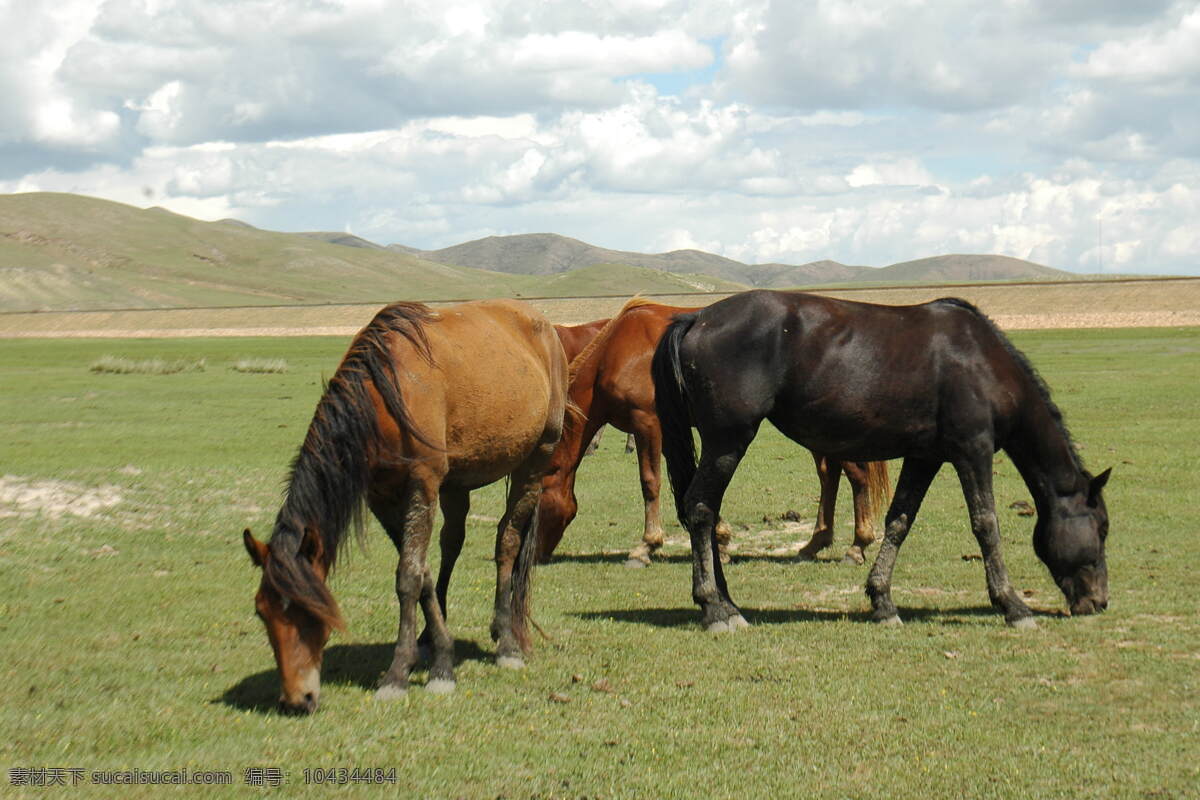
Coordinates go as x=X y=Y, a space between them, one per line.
x=619 y=558
x=356 y=665
x=689 y=616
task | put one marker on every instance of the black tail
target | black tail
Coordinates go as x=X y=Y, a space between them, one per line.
x=522 y=577
x=670 y=398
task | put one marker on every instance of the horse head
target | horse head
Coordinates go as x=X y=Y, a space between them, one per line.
x=298 y=612
x=1070 y=541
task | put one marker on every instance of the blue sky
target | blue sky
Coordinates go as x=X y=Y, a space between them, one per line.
x=864 y=132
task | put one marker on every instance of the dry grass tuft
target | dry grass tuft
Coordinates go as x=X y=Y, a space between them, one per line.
x=260 y=365
x=116 y=365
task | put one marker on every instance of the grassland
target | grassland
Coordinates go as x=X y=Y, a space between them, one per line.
x=125 y=608
x=1087 y=304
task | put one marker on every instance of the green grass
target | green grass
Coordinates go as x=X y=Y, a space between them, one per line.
x=130 y=641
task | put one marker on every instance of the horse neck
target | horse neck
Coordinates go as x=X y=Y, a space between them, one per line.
x=575 y=439
x=1043 y=454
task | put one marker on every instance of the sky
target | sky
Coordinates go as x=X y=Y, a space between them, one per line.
x=1066 y=132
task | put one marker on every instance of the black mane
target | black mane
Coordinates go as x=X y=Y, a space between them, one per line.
x=326 y=487
x=1034 y=376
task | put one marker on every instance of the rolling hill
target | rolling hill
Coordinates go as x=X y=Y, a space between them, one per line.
x=63 y=251
x=548 y=254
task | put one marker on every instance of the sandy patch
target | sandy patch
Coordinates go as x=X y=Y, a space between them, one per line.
x=23 y=497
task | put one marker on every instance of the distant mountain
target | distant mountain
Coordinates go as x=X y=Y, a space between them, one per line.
x=955 y=268
x=548 y=254
x=63 y=251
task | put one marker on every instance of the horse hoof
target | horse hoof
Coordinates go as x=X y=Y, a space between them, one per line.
x=510 y=662
x=636 y=563
x=728 y=625
x=1023 y=623
x=893 y=620
x=390 y=692
x=803 y=556
x=853 y=560
x=440 y=686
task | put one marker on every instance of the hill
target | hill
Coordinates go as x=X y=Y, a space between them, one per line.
x=957 y=268
x=62 y=252
x=548 y=254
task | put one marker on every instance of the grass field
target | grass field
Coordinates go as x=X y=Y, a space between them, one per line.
x=130 y=642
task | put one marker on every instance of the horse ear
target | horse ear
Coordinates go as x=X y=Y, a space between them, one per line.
x=256 y=549
x=1097 y=483
x=311 y=546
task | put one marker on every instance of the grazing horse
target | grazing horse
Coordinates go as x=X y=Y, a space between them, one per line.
x=425 y=406
x=610 y=383
x=576 y=337
x=930 y=383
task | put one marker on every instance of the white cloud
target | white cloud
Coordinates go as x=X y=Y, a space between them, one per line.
x=867 y=131
x=1170 y=53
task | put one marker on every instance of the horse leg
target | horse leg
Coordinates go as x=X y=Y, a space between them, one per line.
x=702 y=505
x=822 y=535
x=864 y=522
x=975 y=473
x=455 y=504
x=594 y=443
x=915 y=477
x=516 y=536
x=410 y=525
x=648 y=437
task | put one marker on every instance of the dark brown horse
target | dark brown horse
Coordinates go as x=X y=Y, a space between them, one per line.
x=425 y=406
x=931 y=383
x=610 y=383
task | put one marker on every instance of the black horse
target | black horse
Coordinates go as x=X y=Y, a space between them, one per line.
x=931 y=383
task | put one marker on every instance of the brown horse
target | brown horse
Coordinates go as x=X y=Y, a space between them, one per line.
x=576 y=337
x=425 y=406
x=610 y=383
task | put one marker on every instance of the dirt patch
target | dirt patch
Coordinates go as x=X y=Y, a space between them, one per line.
x=24 y=497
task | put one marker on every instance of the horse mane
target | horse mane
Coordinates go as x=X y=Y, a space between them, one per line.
x=1027 y=366
x=326 y=486
x=602 y=336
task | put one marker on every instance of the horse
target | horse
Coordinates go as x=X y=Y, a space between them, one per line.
x=930 y=383
x=426 y=406
x=610 y=383
x=576 y=337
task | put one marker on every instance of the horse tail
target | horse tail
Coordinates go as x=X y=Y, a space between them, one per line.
x=879 y=491
x=522 y=578
x=674 y=415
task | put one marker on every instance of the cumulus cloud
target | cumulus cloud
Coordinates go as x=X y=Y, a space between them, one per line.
x=868 y=132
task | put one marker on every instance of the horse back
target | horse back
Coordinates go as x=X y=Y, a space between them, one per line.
x=857 y=381
x=621 y=369
x=492 y=389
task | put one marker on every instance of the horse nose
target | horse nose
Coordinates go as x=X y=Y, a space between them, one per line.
x=306 y=706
